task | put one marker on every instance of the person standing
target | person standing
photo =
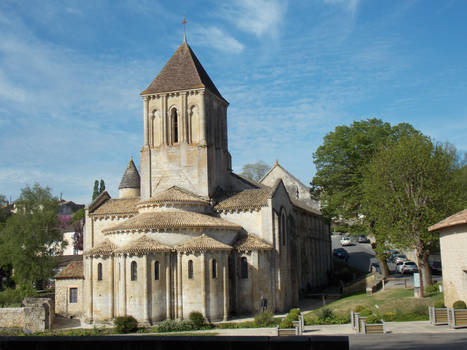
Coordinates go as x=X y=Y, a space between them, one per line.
x=264 y=304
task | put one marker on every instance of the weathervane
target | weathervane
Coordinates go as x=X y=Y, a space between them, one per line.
x=184 y=22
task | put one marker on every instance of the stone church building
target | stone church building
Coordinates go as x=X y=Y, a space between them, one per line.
x=186 y=233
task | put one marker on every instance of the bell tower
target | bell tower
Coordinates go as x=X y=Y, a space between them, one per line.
x=185 y=130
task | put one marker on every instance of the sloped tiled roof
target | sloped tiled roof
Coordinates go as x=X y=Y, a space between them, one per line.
x=100 y=200
x=131 y=177
x=300 y=204
x=202 y=243
x=171 y=220
x=182 y=72
x=106 y=247
x=246 y=199
x=175 y=194
x=459 y=218
x=143 y=245
x=118 y=206
x=73 y=270
x=251 y=242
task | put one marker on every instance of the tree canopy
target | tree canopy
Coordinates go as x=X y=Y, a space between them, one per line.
x=31 y=237
x=255 y=171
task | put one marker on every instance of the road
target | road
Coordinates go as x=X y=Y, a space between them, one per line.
x=445 y=341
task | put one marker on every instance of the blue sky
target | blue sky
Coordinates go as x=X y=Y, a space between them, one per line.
x=71 y=73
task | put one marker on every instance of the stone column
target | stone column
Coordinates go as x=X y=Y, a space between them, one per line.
x=226 y=287
x=145 y=289
x=164 y=119
x=89 y=311
x=146 y=117
x=180 y=286
x=112 y=288
x=167 y=284
x=183 y=118
x=124 y=284
x=203 y=283
x=203 y=121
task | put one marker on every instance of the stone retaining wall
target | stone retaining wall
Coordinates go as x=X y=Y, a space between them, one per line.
x=11 y=317
x=37 y=314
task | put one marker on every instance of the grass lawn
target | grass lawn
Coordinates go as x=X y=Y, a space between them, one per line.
x=395 y=304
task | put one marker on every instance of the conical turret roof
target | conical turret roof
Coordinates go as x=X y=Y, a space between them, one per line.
x=131 y=177
x=182 y=72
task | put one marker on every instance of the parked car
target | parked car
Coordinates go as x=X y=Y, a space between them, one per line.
x=436 y=267
x=408 y=267
x=341 y=253
x=392 y=255
x=400 y=258
x=398 y=267
x=363 y=239
x=345 y=241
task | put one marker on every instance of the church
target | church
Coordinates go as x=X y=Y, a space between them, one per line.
x=186 y=233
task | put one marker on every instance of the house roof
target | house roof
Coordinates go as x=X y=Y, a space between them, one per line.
x=246 y=199
x=73 y=270
x=100 y=199
x=459 y=218
x=131 y=177
x=202 y=243
x=143 y=245
x=171 y=220
x=106 y=247
x=175 y=194
x=182 y=72
x=117 y=206
x=251 y=242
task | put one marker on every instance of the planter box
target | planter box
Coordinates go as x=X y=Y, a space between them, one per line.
x=374 y=328
x=438 y=315
x=286 y=331
x=354 y=319
x=457 y=317
x=360 y=321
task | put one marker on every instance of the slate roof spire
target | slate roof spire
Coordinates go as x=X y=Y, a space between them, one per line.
x=182 y=72
x=131 y=177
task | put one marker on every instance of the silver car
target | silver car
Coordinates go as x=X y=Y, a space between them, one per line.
x=408 y=267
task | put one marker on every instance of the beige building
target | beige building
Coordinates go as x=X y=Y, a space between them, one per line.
x=189 y=234
x=453 y=245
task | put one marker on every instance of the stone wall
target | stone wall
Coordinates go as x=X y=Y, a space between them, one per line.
x=37 y=314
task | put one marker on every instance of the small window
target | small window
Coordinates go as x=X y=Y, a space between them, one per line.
x=214 y=268
x=134 y=271
x=73 y=295
x=99 y=272
x=174 y=122
x=156 y=270
x=244 y=268
x=190 y=269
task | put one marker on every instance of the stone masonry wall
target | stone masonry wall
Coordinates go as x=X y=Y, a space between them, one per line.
x=11 y=317
x=36 y=315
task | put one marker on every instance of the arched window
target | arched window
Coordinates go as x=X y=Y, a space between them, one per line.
x=214 y=268
x=174 y=126
x=156 y=270
x=190 y=269
x=243 y=267
x=283 y=224
x=99 y=272
x=134 y=271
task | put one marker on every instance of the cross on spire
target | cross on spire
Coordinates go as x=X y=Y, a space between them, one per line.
x=184 y=22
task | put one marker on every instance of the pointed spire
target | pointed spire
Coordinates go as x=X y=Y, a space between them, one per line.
x=184 y=29
x=131 y=177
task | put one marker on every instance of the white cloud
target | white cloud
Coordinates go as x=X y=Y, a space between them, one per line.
x=258 y=17
x=214 y=37
x=350 y=5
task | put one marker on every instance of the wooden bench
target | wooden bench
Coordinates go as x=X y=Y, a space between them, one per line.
x=286 y=331
x=457 y=317
x=374 y=328
x=438 y=315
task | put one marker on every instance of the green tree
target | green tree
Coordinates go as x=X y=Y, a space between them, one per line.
x=101 y=186
x=255 y=171
x=5 y=209
x=341 y=163
x=95 y=191
x=409 y=185
x=31 y=237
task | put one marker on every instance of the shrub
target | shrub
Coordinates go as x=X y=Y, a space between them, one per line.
x=459 y=304
x=14 y=297
x=174 y=326
x=366 y=312
x=197 y=319
x=373 y=319
x=291 y=316
x=325 y=314
x=439 y=304
x=389 y=316
x=264 y=319
x=126 y=324
x=358 y=308
x=433 y=289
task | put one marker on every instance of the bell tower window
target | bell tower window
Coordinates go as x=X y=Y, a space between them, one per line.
x=174 y=126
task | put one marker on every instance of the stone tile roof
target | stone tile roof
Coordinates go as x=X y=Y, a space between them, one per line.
x=174 y=194
x=100 y=199
x=104 y=248
x=251 y=242
x=118 y=206
x=202 y=243
x=246 y=199
x=171 y=220
x=131 y=177
x=73 y=270
x=143 y=245
x=182 y=72
x=453 y=220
